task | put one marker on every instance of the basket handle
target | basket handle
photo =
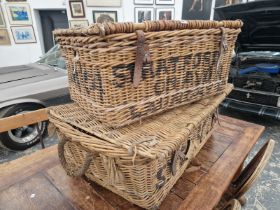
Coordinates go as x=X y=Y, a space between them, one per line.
x=72 y=172
x=142 y=57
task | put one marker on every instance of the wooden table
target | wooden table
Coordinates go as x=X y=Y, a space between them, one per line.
x=37 y=181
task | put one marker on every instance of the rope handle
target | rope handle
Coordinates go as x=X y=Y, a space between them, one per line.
x=72 y=172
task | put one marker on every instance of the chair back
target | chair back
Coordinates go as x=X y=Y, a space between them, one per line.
x=253 y=170
x=233 y=204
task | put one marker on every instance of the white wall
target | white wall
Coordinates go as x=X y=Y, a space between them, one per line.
x=17 y=54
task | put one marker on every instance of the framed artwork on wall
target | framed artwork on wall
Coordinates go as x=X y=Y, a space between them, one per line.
x=23 y=34
x=143 y=14
x=165 y=2
x=4 y=37
x=196 y=9
x=16 y=0
x=77 y=9
x=2 y=19
x=105 y=16
x=19 y=13
x=165 y=14
x=143 y=1
x=104 y=3
x=78 y=23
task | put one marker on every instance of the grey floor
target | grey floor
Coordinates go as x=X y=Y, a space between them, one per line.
x=264 y=195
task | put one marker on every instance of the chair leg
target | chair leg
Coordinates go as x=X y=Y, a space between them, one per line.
x=242 y=200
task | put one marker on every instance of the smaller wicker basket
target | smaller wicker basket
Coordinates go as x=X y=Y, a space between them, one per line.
x=140 y=162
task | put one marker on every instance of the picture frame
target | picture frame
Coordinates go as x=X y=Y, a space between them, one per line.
x=23 y=34
x=4 y=37
x=165 y=13
x=196 y=10
x=78 y=23
x=77 y=9
x=104 y=16
x=104 y=3
x=145 y=2
x=19 y=13
x=16 y=0
x=142 y=14
x=2 y=19
x=165 y=2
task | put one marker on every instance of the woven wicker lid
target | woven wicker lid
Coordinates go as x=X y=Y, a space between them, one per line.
x=161 y=25
x=154 y=138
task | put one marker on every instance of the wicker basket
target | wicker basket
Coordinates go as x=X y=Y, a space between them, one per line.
x=123 y=72
x=139 y=162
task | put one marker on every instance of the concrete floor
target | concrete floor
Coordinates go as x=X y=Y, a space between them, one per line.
x=264 y=195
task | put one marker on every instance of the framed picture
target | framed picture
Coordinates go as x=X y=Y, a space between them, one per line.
x=143 y=1
x=78 y=23
x=105 y=16
x=19 y=13
x=2 y=19
x=77 y=9
x=16 y=0
x=165 y=14
x=143 y=14
x=23 y=34
x=196 y=10
x=104 y=3
x=4 y=37
x=165 y=2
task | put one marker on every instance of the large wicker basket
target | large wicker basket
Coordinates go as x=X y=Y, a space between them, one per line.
x=124 y=72
x=138 y=162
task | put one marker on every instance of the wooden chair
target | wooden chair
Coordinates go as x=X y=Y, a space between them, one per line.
x=248 y=176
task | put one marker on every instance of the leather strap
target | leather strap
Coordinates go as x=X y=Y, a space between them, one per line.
x=142 y=57
x=180 y=154
x=223 y=46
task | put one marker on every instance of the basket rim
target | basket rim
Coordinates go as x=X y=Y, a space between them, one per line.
x=107 y=28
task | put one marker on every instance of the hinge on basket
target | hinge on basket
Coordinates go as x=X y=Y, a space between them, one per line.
x=180 y=155
x=142 y=57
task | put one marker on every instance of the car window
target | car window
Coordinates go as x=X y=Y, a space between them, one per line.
x=53 y=58
x=260 y=55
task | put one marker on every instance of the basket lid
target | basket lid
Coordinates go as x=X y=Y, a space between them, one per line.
x=155 y=137
x=107 y=28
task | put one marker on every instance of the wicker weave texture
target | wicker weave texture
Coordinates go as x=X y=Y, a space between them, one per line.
x=189 y=61
x=140 y=162
x=143 y=182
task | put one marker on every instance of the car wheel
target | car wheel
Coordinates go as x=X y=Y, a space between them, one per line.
x=26 y=136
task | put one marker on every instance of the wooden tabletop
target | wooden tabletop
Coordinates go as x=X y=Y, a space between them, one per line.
x=37 y=181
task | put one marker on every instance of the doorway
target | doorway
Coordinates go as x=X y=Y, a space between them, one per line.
x=50 y=20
